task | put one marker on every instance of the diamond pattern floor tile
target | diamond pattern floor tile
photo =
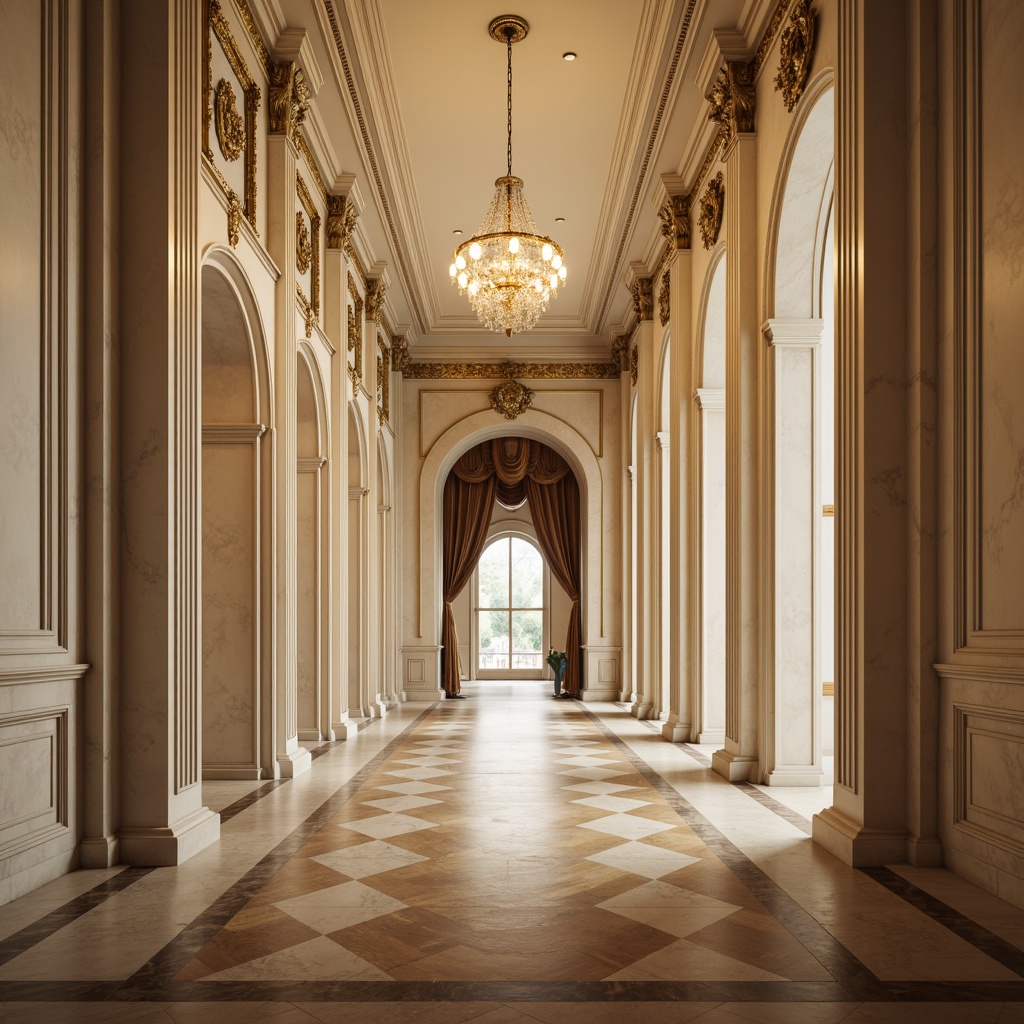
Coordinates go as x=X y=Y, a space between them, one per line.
x=339 y=907
x=319 y=959
x=626 y=826
x=612 y=803
x=400 y=803
x=643 y=859
x=383 y=826
x=414 y=787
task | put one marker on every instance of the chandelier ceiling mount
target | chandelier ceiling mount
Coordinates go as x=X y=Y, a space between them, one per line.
x=509 y=270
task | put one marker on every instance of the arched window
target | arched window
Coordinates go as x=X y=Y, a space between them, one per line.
x=511 y=620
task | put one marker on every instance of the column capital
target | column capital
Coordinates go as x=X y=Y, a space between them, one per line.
x=710 y=399
x=802 y=332
x=664 y=440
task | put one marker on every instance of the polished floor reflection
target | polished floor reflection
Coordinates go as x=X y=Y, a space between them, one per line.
x=512 y=857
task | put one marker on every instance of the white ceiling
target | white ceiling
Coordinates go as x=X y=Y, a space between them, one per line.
x=591 y=139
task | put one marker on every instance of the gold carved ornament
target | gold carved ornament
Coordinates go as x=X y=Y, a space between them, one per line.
x=228 y=122
x=634 y=364
x=383 y=381
x=664 y=307
x=376 y=289
x=732 y=99
x=234 y=218
x=620 y=351
x=341 y=221
x=400 y=354
x=496 y=371
x=643 y=298
x=355 y=334
x=289 y=98
x=303 y=246
x=675 y=222
x=712 y=203
x=796 y=47
x=511 y=398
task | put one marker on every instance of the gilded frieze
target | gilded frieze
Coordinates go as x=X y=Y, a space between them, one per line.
x=497 y=371
x=712 y=203
x=236 y=133
x=796 y=49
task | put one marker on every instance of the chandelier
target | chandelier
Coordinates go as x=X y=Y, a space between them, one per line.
x=509 y=271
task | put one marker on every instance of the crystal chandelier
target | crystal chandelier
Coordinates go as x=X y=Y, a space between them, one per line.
x=509 y=271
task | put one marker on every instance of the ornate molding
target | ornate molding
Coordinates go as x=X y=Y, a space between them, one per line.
x=300 y=141
x=310 y=304
x=400 y=354
x=712 y=203
x=643 y=298
x=732 y=98
x=236 y=133
x=664 y=298
x=383 y=380
x=764 y=47
x=796 y=48
x=250 y=26
x=289 y=98
x=376 y=289
x=496 y=371
x=355 y=333
x=303 y=248
x=634 y=364
x=511 y=398
x=675 y=222
x=227 y=121
x=341 y=221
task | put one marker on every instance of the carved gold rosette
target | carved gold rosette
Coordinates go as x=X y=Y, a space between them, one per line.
x=796 y=48
x=712 y=203
x=227 y=121
x=511 y=398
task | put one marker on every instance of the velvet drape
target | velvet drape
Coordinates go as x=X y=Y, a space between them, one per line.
x=467 y=517
x=511 y=469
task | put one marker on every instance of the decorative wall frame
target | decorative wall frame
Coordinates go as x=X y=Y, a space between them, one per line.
x=311 y=303
x=217 y=26
x=355 y=338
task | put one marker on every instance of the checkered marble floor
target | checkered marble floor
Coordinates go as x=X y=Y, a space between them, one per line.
x=489 y=847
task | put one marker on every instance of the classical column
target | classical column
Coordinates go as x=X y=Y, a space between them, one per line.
x=643 y=358
x=163 y=820
x=341 y=221
x=709 y=574
x=866 y=824
x=675 y=217
x=791 y=680
x=738 y=760
x=662 y=573
x=286 y=110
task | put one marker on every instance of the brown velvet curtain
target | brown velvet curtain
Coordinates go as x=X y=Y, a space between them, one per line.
x=467 y=517
x=556 y=516
x=511 y=469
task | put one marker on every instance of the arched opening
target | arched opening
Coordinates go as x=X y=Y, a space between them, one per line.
x=236 y=540
x=358 y=527
x=798 y=426
x=312 y=546
x=709 y=398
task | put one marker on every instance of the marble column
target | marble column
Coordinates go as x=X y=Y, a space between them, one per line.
x=335 y=304
x=646 y=637
x=662 y=572
x=682 y=630
x=791 y=680
x=866 y=825
x=163 y=820
x=282 y=204
x=738 y=759
x=709 y=700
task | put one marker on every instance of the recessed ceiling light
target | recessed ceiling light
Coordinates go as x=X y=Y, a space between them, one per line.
x=457 y=231
x=559 y=220
x=568 y=55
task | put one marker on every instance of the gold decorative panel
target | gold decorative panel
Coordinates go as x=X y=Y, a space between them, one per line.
x=308 y=257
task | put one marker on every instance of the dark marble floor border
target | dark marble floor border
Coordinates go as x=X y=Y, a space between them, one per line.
x=153 y=976
x=31 y=935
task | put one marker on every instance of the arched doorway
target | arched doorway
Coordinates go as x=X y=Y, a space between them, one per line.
x=797 y=426
x=709 y=399
x=237 y=499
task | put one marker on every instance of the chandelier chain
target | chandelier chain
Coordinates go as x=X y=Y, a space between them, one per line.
x=508 y=38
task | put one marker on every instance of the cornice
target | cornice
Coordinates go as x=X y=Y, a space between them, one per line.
x=509 y=370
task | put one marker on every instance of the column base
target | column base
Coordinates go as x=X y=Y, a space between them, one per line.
x=734 y=767
x=99 y=852
x=924 y=853
x=797 y=776
x=248 y=772
x=641 y=711
x=425 y=695
x=168 y=846
x=856 y=845
x=343 y=730
x=600 y=693
x=713 y=736
x=675 y=731
x=294 y=763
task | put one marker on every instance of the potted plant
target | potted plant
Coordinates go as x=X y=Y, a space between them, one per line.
x=557 y=660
